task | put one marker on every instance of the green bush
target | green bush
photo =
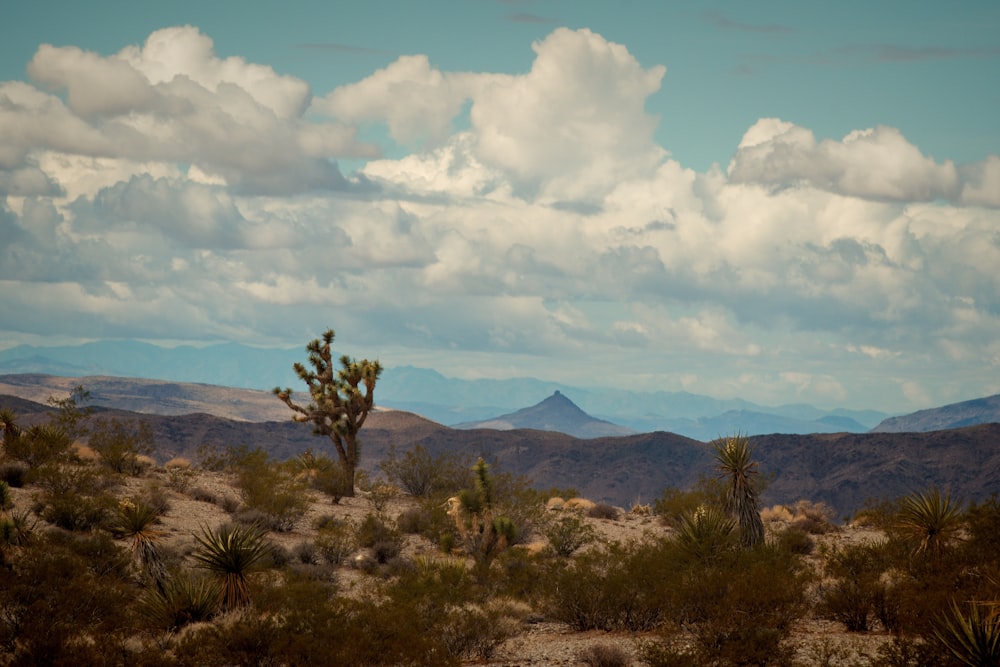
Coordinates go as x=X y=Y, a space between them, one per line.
x=39 y=445
x=121 y=444
x=268 y=489
x=335 y=541
x=422 y=474
x=568 y=532
x=739 y=608
x=66 y=600
x=74 y=497
x=614 y=588
x=856 y=592
x=674 y=503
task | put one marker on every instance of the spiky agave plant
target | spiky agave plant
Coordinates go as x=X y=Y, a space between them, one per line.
x=931 y=521
x=732 y=456
x=183 y=599
x=231 y=553
x=705 y=533
x=973 y=638
x=135 y=521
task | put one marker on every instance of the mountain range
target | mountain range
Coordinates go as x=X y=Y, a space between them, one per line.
x=427 y=392
x=843 y=470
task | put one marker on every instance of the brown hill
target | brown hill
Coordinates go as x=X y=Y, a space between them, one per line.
x=842 y=470
x=151 y=396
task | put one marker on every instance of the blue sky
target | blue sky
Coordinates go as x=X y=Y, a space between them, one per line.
x=785 y=201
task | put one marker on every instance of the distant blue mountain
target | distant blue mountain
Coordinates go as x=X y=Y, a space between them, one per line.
x=555 y=413
x=429 y=393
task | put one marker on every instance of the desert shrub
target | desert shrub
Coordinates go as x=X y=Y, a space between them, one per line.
x=380 y=495
x=65 y=600
x=878 y=513
x=267 y=488
x=14 y=473
x=739 y=608
x=521 y=575
x=306 y=553
x=813 y=518
x=665 y=653
x=614 y=588
x=674 y=503
x=74 y=497
x=422 y=474
x=203 y=495
x=120 y=445
x=333 y=482
x=385 y=541
x=39 y=445
x=604 y=655
x=475 y=631
x=157 y=498
x=981 y=549
x=336 y=541
x=857 y=591
x=603 y=511
x=228 y=503
x=568 y=532
x=796 y=540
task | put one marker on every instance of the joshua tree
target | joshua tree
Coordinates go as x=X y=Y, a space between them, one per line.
x=341 y=400
x=230 y=553
x=732 y=456
x=484 y=533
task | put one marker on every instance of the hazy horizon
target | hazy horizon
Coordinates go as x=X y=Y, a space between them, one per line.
x=784 y=202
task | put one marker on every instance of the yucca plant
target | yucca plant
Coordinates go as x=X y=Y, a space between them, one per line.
x=134 y=521
x=705 y=533
x=930 y=521
x=231 y=553
x=6 y=498
x=732 y=456
x=183 y=599
x=484 y=533
x=17 y=528
x=8 y=425
x=973 y=638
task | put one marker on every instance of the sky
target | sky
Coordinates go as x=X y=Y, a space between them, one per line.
x=780 y=201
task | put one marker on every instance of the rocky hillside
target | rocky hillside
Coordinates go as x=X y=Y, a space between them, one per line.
x=843 y=470
x=956 y=415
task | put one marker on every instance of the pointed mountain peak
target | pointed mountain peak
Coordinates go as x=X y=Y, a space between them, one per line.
x=555 y=413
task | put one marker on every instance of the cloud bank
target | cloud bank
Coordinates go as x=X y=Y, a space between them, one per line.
x=532 y=226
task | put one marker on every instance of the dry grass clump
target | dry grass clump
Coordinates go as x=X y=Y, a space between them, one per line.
x=604 y=655
x=178 y=463
x=603 y=511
